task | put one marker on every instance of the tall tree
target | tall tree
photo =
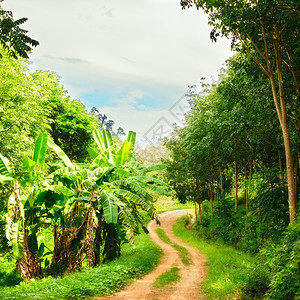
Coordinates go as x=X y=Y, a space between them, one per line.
x=269 y=31
x=71 y=126
x=22 y=108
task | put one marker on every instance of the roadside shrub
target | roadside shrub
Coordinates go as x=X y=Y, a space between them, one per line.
x=283 y=259
x=257 y=283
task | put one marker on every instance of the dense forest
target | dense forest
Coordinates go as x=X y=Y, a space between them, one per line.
x=72 y=191
x=237 y=157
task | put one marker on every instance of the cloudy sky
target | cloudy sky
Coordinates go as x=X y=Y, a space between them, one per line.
x=133 y=60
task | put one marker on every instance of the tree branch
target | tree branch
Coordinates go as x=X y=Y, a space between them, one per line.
x=252 y=55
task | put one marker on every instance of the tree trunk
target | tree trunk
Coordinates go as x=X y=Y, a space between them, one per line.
x=196 y=215
x=297 y=175
x=279 y=101
x=235 y=185
x=221 y=181
x=89 y=238
x=28 y=265
x=246 y=190
x=200 y=212
x=211 y=199
x=281 y=169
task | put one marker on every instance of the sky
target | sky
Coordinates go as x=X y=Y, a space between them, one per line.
x=133 y=60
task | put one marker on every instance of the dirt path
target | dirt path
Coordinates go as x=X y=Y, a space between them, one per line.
x=191 y=275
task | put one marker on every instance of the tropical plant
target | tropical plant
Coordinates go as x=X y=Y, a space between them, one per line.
x=25 y=209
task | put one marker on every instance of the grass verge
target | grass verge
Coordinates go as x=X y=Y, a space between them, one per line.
x=168 y=278
x=229 y=269
x=101 y=281
x=183 y=252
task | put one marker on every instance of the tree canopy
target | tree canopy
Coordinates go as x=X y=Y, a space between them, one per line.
x=12 y=37
x=269 y=32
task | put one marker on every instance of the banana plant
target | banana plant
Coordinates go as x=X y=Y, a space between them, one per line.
x=110 y=192
x=26 y=206
x=23 y=210
x=107 y=154
x=123 y=190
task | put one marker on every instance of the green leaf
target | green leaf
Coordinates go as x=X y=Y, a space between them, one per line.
x=97 y=135
x=60 y=153
x=60 y=189
x=40 y=149
x=122 y=155
x=5 y=178
x=104 y=141
x=107 y=139
x=155 y=168
x=110 y=209
x=4 y=166
x=101 y=161
x=93 y=153
x=131 y=140
x=28 y=164
x=41 y=249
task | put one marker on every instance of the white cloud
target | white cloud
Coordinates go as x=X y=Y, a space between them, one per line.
x=127 y=47
x=131 y=118
x=131 y=98
x=150 y=124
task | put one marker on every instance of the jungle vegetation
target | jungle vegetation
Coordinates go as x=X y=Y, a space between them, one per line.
x=237 y=157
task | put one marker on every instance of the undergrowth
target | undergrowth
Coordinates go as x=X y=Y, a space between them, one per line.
x=104 y=280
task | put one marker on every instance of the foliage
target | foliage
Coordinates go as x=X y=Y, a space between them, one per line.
x=12 y=37
x=267 y=32
x=101 y=281
x=22 y=112
x=8 y=275
x=71 y=126
x=106 y=124
x=90 y=207
x=36 y=102
x=229 y=269
x=283 y=259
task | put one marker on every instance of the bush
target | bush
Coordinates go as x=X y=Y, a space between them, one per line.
x=8 y=273
x=257 y=284
x=284 y=261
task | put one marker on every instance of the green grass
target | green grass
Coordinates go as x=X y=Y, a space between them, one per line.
x=7 y=275
x=167 y=279
x=229 y=269
x=100 y=281
x=183 y=252
x=163 y=236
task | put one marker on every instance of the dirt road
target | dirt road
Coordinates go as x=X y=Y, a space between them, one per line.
x=190 y=275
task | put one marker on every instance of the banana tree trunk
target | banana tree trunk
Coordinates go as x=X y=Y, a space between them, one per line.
x=28 y=265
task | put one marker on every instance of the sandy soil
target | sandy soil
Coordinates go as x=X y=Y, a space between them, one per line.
x=191 y=276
